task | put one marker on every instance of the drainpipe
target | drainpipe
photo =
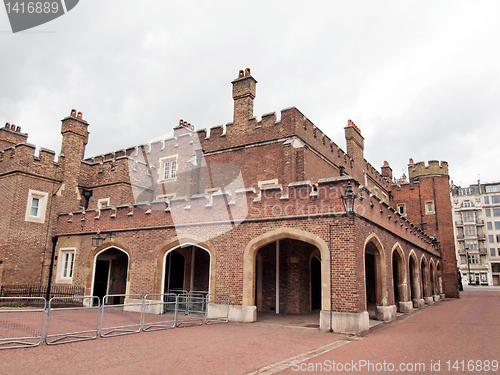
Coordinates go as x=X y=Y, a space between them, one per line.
x=331 y=287
x=54 y=243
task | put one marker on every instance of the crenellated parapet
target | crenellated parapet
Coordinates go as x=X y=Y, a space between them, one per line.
x=434 y=167
x=21 y=157
x=225 y=210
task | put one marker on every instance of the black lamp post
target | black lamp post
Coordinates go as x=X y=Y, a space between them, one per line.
x=435 y=243
x=98 y=240
x=348 y=199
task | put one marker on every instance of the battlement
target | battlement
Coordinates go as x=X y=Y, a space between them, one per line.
x=434 y=167
x=298 y=200
x=21 y=157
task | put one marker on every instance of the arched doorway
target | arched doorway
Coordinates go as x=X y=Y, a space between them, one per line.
x=186 y=268
x=288 y=277
x=110 y=275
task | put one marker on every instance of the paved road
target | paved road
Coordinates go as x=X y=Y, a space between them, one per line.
x=452 y=330
x=433 y=340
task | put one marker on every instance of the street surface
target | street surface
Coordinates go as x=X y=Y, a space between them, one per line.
x=439 y=339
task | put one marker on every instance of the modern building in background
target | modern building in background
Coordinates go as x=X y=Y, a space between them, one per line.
x=477 y=232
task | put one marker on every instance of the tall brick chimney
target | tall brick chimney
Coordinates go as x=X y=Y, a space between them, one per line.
x=243 y=94
x=386 y=170
x=355 y=141
x=74 y=139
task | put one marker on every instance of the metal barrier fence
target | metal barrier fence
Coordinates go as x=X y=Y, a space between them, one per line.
x=21 y=321
x=126 y=317
x=40 y=290
x=78 y=321
x=79 y=318
x=159 y=311
x=217 y=308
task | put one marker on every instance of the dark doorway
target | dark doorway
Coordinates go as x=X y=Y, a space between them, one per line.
x=110 y=278
x=174 y=275
x=288 y=277
x=101 y=279
x=396 y=278
x=370 y=278
x=315 y=283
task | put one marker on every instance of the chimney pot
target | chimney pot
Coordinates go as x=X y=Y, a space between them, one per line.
x=241 y=74
x=181 y=122
x=79 y=115
x=7 y=125
x=18 y=129
x=73 y=112
x=13 y=127
x=247 y=72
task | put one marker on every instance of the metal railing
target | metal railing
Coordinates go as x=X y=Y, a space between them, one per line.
x=77 y=321
x=29 y=321
x=126 y=316
x=21 y=321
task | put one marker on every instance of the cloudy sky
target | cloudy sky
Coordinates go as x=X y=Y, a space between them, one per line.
x=419 y=78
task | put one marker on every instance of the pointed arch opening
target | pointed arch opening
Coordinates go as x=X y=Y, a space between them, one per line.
x=110 y=274
x=375 y=275
x=414 y=277
x=399 y=276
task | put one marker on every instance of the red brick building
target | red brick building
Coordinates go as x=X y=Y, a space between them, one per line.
x=252 y=209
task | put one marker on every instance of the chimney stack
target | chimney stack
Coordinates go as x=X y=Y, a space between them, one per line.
x=243 y=94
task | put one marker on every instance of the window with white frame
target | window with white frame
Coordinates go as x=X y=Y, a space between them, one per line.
x=468 y=216
x=467 y=204
x=486 y=200
x=36 y=206
x=429 y=207
x=66 y=263
x=470 y=230
x=491 y=238
x=492 y=188
x=489 y=224
x=474 y=259
x=402 y=209
x=493 y=252
x=471 y=244
x=495 y=199
x=103 y=203
x=168 y=168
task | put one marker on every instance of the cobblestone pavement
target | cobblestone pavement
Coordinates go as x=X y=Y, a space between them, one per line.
x=451 y=330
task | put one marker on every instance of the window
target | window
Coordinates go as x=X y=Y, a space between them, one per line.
x=103 y=203
x=465 y=191
x=36 y=206
x=486 y=200
x=429 y=207
x=471 y=244
x=168 y=170
x=489 y=224
x=474 y=259
x=402 y=209
x=491 y=238
x=497 y=224
x=492 y=252
x=495 y=267
x=470 y=230
x=492 y=188
x=498 y=237
x=66 y=262
x=467 y=204
x=495 y=199
x=488 y=212
x=468 y=216
x=496 y=212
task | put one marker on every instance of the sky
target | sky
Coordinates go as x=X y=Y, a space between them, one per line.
x=419 y=78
